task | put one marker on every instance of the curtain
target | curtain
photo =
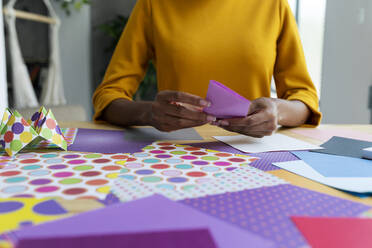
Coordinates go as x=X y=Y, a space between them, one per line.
x=3 y=82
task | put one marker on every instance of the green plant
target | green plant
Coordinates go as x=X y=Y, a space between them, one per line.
x=66 y=5
x=113 y=28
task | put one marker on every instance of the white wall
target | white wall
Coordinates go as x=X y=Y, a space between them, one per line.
x=75 y=42
x=347 y=64
x=311 y=27
x=3 y=82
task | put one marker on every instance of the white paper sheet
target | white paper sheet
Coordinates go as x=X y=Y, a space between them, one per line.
x=353 y=184
x=275 y=142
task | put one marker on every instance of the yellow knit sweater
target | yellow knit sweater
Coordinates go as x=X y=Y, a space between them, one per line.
x=241 y=43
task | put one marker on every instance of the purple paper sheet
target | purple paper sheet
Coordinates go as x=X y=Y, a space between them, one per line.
x=266 y=211
x=199 y=238
x=226 y=103
x=265 y=163
x=105 y=141
x=147 y=215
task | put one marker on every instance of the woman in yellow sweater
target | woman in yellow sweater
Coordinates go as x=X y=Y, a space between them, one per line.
x=241 y=43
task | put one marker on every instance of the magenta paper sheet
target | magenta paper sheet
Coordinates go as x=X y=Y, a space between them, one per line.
x=266 y=211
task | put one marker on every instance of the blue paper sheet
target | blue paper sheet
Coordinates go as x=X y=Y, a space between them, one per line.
x=336 y=166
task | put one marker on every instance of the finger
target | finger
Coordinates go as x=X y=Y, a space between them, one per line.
x=182 y=97
x=251 y=120
x=179 y=123
x=184 y=113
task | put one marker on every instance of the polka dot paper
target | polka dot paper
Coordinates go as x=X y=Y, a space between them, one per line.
x=245 y=177
x=170 y=166
x=68 y=133
x=17 y=133
x=266 y=211
x=63 y=174
x=18 y=213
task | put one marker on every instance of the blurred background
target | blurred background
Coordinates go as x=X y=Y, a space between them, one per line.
x=336 y=35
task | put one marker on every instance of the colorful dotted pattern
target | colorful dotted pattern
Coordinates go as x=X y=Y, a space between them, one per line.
x=17 y=133
x=168 y=165
x=63 y=174
x=245 y=177
x=16 y=212
x=266 y=211
x=68 y=133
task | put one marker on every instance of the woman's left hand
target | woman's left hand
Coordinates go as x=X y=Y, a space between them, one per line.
x=262 y=119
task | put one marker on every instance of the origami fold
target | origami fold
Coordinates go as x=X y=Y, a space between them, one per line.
x=226 y=103
x=16 y=133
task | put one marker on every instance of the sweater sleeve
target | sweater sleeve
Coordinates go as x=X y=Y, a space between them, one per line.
x=292 y=79
x=129 y=62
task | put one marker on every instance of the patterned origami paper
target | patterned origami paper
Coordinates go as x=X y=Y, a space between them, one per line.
x=69 y=175
x=242 y=178
x=16 y=213
x=171 y=166
x=17 y=133
x=266 y=211
x=226 y=103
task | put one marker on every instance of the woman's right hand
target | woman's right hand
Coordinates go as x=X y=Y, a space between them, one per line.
x=173 y=110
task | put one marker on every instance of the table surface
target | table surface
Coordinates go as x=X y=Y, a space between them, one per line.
x=206 y=132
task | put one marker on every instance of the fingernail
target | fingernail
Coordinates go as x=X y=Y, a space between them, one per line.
x=211 y=118
x=205 y=103
x=223 y=123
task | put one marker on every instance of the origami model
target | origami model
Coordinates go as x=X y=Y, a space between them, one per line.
x=226 y=103
x=16 y=133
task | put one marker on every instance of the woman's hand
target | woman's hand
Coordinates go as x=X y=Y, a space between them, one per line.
x=173 y=110
x=262 y=119
x=264 y=116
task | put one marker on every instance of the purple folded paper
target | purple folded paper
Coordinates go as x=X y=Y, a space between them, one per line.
x=266 y=211
x=226 y=103
x=123 y=222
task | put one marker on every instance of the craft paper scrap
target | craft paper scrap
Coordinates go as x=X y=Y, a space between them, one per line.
x=105 y=141
x=352 y=184
x=171 y=166
x=367 y=153
x=17 y=133
x=323 y=232
x=265 y=211
x=225 y=103
x=275 y=142
x=242 y=178
x=70 y=175
x=265 y=161
x=336 y=166
x=322 y=134
x=148 y=216
x=152 y=134
x=18 y=213
x=344 y=147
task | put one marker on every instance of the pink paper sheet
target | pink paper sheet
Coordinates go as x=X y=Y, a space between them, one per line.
x=335 y=232
x=326 y=134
